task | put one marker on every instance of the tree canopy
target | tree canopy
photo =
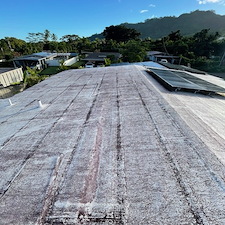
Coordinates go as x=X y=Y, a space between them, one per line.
x=120 y=33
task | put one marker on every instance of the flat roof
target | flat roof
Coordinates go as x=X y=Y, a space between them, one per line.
x=100 y=56
x=36 y=56
x=44 y=54
x=30 y=58
x=111 y=146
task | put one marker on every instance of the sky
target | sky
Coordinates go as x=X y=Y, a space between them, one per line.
x=87 y=17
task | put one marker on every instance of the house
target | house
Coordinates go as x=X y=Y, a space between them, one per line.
x=98 y=58
x=152 y=55
x=41 y=60
x=35 y=60
x=67 y=59
x=157 y=56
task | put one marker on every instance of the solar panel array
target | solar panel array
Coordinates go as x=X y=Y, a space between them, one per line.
x=178 y=80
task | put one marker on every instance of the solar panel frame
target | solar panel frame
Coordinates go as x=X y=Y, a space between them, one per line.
x=203 y=83
x=180 y=80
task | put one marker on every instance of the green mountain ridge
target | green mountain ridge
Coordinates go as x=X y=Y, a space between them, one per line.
x=188 y=24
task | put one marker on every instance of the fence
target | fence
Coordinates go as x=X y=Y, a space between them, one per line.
x=10 y=77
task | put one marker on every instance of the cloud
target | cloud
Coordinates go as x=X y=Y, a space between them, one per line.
x=144 y=11
x=202 y=2
x=151 y=5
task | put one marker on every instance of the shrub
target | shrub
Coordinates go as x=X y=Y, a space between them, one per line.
x=51 y=70
x=31 y=77
x=32 y=80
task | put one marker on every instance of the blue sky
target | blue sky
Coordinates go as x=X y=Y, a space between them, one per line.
x=87 y=17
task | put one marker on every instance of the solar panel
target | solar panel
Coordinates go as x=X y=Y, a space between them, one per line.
x=179 y=80
x=204 y=84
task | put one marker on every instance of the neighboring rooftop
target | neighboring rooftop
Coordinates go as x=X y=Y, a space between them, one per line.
x=37 y=56
x=100 y=56
x=112 y=146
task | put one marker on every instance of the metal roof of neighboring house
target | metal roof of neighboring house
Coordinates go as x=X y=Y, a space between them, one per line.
x=36 y=56
x=100 y=56
x=67 y=54
x=167 y=56
x=29 y=58
x=111 y=146
x=44 y=54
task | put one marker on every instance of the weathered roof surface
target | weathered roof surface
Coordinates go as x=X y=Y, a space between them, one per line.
x=111 y=146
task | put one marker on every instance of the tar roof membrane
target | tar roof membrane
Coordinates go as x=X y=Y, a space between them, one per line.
x=111 y=146
x=180 y=80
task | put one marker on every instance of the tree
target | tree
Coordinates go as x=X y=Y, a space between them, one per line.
x=35 y=37
x=176 y=44
x=203 y=43
x=175 y=36
x=46 y=36
x=120 y=33
x=63 y=47
x=41 y=37
x=109 y=46
x=83 y=44
x=133 y=51
x=69 y=38
x=54 y=37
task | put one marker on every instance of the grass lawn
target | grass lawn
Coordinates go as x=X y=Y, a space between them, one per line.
x=51 y=70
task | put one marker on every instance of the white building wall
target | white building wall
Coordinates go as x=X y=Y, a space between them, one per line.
x=67 y=62
x=10 y=77
x=70 y=61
